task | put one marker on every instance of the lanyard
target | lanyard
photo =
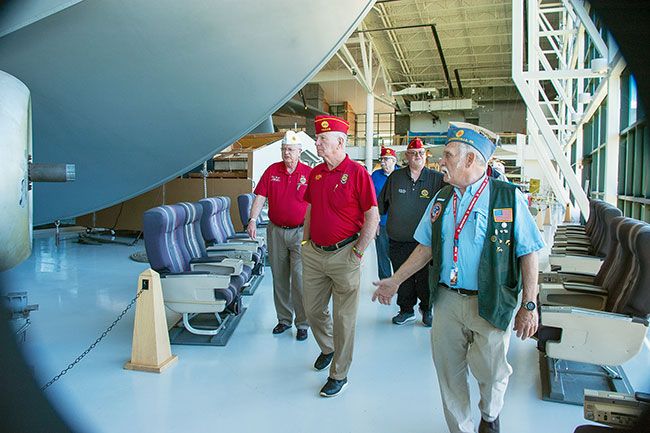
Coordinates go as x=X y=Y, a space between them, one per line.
x=461 y=224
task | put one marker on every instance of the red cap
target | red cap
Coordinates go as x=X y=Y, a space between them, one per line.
x=386 y=151
x=331 y=123
x=416 y=143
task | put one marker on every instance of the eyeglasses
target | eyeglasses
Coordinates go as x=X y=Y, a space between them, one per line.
x=416 y=152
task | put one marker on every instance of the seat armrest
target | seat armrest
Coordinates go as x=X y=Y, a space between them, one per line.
x=241 y=246
x=584 y=265
x=590 y=297
x=595 y=337
x=246 y=256
x=561 y=277
x=224 y=267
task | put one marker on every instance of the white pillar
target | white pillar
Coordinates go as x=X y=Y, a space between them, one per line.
x=370 y=114
x=613 y=129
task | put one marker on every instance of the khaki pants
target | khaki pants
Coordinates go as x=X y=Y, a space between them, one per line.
x=286 y=266
x=460 y=338
x=333 y=275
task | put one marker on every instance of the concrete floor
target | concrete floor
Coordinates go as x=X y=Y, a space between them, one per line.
x=258 y=382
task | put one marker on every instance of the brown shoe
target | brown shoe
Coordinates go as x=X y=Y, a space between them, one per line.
x=280 y=328
x=301 y=335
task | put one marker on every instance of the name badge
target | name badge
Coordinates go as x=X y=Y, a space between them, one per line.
x=453 y=277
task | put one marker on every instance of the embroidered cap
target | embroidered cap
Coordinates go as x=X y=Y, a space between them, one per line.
x=481 y=139
x=416 y=143
x=387 y=151
x=330 y=123
x=291 y=137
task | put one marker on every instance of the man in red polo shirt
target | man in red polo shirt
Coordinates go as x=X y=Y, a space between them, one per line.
x=340 y=223
x=284 y=184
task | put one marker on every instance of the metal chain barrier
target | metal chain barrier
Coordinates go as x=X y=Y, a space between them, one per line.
x=92 y=346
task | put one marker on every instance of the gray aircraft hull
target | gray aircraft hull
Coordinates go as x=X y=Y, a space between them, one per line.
x=136 y=93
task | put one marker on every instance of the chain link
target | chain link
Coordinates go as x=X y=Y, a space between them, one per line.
x=92 y=346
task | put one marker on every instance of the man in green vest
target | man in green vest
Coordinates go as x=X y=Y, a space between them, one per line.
x=481 y=243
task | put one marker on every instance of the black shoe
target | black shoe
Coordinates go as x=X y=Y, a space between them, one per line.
x=323 y=361
x=280 y=328
x=301 y=335
x=427 y=318
x=489 y=427
x=333 y=387
x=403 y=318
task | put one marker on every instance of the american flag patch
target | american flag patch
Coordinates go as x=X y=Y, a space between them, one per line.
x=503 y=215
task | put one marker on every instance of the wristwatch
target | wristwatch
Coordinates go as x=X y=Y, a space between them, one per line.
x=530 y=305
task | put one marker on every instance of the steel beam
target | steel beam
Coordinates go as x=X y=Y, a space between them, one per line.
x=523 y=82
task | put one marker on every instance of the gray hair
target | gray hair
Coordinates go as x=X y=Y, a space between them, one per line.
x=342 y=135
x=466 y=148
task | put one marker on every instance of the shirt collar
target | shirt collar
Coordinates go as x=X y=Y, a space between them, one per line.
x=473 y=187
x=342 y=165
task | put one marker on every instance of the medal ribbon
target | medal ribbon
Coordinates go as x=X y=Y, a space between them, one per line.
x=461 y=224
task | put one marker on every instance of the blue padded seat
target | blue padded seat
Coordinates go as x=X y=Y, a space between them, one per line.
x=217 y=228
x=196 y=245
x=166 y=249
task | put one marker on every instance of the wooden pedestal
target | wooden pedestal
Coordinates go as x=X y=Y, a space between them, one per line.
x=150 y=350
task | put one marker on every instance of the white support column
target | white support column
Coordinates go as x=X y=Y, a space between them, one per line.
x=370 y=114
x=370 y=105
x=580 y=63
x=613 y=129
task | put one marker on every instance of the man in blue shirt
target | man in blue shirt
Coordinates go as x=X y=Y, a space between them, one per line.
x=482 y=243
x=388 y=159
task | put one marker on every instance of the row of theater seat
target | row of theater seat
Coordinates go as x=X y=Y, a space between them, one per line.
x=596 y=308
x=203 y=263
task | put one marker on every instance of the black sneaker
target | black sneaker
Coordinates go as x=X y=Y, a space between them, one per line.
x=427 y=318
x=323 y=361
x=403 y=318
x=280 y=328
x=333 y=387
x=489 y=427
x=301 y=335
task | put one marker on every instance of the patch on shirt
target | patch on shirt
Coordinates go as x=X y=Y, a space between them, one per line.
x=435 y=212
x=344 y=178
x=275 y=178
x=424 y=193
x=318 y=176
x=401 y=191
x=503 y=215
x=303 y=180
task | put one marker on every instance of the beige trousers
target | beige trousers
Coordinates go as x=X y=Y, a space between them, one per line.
x=286 y=266
x=461 y=341
x=334 y=275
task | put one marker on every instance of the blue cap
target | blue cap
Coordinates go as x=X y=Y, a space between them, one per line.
x=479 y=138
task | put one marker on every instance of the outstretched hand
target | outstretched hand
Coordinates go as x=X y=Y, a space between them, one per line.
x=386 y=288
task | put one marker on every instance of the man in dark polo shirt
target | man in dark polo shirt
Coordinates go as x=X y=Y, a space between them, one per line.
x=340 y=223
x=284 y=184
x=405 y=196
